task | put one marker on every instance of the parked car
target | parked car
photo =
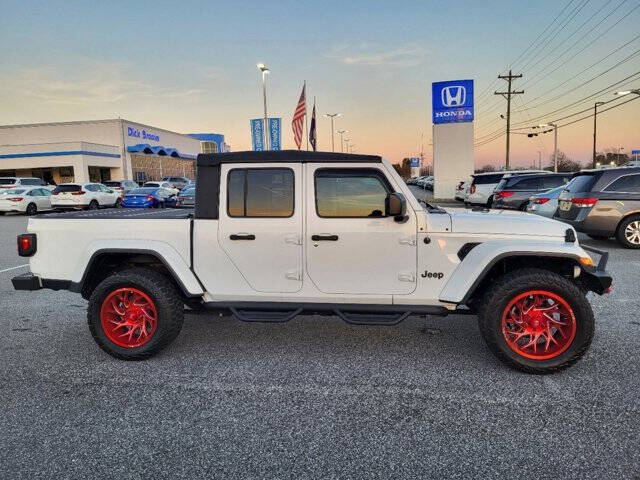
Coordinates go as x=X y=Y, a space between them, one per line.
x=264 y=248
x=461 y=190
x=482 y=186
x=29 y=200
x=513 y=192
x=425 y=182
x=603 y=204
x=177 y=182
x=186 y=197
x=84 y=195
x=16 y=182
x=121 y=186
x=165 y=185
x=149 y=197
x=545 y=204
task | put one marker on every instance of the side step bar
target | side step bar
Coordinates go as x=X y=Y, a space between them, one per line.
x=355 y=314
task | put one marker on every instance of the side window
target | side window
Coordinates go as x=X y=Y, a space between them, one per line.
x=526 y=184
x=92 y=188
x=45 y=193
x=552 y=182
x=260 y=192
x=627 y=183
x=351 y=193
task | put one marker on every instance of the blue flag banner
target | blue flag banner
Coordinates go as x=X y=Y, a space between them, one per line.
x=257 y=134
x=275 y=135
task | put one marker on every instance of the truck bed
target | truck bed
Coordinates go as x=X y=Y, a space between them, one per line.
x=123 y=214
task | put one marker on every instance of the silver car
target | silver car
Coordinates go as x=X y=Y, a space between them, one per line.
x=545 y=204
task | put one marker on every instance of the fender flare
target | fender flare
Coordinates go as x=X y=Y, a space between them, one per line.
x=481 y=259
x=187 y=281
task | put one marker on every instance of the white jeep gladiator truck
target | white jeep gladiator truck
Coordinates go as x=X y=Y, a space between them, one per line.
x=276 y=234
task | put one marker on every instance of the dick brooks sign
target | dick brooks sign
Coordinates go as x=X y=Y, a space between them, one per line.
x=452 y=101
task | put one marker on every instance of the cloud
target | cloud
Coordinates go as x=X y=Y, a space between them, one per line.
x=367 y=55
x=90 y=83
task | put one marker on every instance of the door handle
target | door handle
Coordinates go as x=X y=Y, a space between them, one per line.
x=242 y=236
x=330 y=238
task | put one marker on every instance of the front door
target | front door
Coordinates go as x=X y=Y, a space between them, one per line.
x=352 y=247
x=260 y=226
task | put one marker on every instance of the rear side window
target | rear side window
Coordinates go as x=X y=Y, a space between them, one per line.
x=582 y=183
x=551 y=181
x=487 y=179
x=67 y=188
x=260 y=192
x=626 y=183
x=527 y=183
x=351 y=193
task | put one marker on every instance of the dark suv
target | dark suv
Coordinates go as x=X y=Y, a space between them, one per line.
x=513 y=192
x=604 y=203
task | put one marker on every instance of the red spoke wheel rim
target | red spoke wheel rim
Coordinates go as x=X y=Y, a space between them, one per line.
x=129 y=318
x=538 y=325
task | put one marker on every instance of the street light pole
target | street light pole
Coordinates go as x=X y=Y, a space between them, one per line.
x=346 y=144
x=264 y=70
x=595 y=118
x=342 y=132
x=539 y=160
x=332 y=116
x=555 y=143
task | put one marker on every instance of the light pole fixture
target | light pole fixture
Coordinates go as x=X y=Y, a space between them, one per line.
x=627 y=92
x=265 y=71
x=595 y=120
x=332 y=116
x=341 y=132
x=555 y=143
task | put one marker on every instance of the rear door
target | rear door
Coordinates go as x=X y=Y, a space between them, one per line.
x=260 y=227
x=352 y=247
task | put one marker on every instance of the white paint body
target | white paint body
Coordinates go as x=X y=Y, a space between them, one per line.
x=11 y=201
x=376 y=261
x=103 y=195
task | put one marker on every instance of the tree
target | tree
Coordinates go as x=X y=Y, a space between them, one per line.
x=612 y=156
x=488 y=168
x=565 y=164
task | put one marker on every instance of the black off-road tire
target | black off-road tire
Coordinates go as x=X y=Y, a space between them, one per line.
x=620 y=233
x=169 y=305
x=496 y=298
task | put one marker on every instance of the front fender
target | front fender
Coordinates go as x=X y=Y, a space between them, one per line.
x=479 y=261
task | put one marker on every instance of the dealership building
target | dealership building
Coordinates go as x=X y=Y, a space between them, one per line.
x=101 y=150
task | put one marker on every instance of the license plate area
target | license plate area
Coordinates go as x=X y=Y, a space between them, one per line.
x=565 y=206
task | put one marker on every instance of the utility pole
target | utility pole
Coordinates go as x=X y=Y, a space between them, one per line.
x=507 y=95
x=539 y=160
x=595 y=119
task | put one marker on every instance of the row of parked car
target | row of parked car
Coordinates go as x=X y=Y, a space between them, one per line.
x=33 y=195
x=425 y=181
x=602 y=203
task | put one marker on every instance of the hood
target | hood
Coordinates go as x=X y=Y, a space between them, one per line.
x=505 y=222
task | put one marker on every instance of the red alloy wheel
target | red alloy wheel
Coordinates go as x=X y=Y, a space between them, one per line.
x=538 y=325
x=129 y=318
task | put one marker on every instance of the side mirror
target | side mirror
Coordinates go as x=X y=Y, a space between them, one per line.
x=395 y=205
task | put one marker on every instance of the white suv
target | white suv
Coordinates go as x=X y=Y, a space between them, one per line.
x=16 y=182
x=87 y=195
x=480 y=191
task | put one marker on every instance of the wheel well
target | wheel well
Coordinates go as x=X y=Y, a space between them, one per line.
x=626 y=217
x=561 y=265
x=104 y=264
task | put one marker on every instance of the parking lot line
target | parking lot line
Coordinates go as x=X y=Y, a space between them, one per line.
x=13 y=268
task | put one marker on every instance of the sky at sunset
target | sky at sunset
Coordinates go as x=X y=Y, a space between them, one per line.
x=190 y=66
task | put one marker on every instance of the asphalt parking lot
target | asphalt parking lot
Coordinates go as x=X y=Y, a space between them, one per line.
x=311 y=398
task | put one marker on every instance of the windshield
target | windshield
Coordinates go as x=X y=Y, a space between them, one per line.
x=12 y=191
x=7 y=181
x=581 y=183
x=152 y=184
x=188 y=191
x=111 y=184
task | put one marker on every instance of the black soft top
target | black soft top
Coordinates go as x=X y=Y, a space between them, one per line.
x=284 y=156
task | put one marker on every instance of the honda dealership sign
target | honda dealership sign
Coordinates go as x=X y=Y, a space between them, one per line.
x=452 y=101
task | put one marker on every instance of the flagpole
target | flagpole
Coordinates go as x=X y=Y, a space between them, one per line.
x=315 y=134
x=306 y=122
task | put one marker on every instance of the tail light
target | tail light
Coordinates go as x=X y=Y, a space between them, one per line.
x=27 y=244
x=81 y=192
x=55 y=192
x=540 y=200
x=504 y=194
x=584 y=202
x=149 y=198
x=15 y=199
x=472 y=189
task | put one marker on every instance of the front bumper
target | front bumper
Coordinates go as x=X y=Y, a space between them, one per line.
x=597 y=279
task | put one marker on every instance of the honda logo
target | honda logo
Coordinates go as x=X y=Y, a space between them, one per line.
x=454 y=96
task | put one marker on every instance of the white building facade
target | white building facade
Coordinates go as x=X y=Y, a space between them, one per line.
x=100 y=150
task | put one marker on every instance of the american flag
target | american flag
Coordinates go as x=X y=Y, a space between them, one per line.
x=298 y=117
